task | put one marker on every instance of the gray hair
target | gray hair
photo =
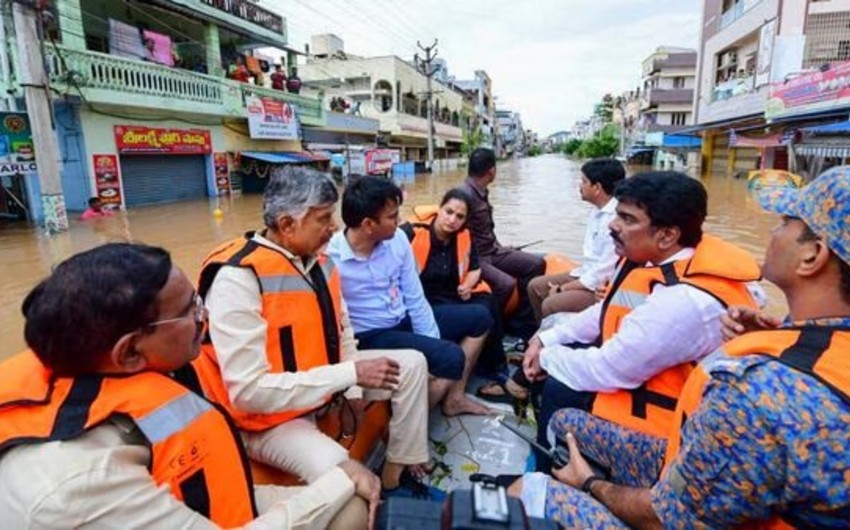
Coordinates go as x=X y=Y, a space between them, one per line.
x=294 y=190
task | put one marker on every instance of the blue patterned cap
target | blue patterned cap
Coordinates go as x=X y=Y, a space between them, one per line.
x=824 y=205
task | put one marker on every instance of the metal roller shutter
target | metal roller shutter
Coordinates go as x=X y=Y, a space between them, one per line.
x=159 y=179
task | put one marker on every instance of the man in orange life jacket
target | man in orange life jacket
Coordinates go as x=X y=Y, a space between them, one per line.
x=763 y=424
x=282 y=346
x=627 y=357
x=95 y=432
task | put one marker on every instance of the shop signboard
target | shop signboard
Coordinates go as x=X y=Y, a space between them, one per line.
x=816 y=91
x=222 y=173
x=17 y=156
x=133 y=139
x=107 y=181
x=271 y=119
x=380 y=161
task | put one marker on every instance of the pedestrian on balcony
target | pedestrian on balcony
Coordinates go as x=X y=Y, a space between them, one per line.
x=293 y=84
x=239 y=72
x=278 y=78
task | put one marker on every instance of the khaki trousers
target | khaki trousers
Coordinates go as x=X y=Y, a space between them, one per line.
x=299 y=447
x=544 y=304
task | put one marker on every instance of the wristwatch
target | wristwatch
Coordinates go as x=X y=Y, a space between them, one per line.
x=588 y=484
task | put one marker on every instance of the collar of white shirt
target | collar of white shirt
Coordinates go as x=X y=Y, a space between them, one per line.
x=296 y=260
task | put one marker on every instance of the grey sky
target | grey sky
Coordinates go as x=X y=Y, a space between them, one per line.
x=550 y=60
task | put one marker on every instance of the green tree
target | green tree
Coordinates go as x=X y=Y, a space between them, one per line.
x=572 y=146
x=472 y=140
x=605 y=143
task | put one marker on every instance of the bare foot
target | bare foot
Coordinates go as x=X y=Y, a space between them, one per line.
x=457 y=405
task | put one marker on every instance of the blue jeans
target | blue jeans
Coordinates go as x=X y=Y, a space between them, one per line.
x=458 y=320
x=445 y=358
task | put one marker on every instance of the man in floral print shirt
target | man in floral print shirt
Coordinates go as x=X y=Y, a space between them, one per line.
x=768 y=443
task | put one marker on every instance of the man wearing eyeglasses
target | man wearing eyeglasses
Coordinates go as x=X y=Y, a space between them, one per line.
x=97 y=432
x=282 y=346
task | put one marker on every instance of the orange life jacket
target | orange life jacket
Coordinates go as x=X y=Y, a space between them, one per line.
x=821 y=352
x=419 y=234
x=717 y=268
x=194 y=450
x=302 y=313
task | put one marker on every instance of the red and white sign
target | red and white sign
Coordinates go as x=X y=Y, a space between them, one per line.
x=222 y=173
x=380 y=161
x=133 y=139
x=107 y=181
x=810 y=92
x=271 y=119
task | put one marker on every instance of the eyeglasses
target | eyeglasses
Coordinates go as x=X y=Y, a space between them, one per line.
x=198 y=312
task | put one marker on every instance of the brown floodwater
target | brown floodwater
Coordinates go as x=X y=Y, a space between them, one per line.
x=533 y=198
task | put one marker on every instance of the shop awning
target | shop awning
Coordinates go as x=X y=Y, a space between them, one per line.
x=831 y=151
x=286 y=157
x=842 y=127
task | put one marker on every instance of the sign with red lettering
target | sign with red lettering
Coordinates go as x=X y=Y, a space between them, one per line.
x=107 y=181
x=132 y=139
x=810 y=92
x=222 y=173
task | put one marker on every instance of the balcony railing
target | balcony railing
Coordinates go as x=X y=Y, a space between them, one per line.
x=110 y=79
x=736 y=12
x=86 y=69
x=657 y=96
x=734 y=87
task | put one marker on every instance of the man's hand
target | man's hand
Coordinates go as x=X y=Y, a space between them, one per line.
x=367 y=485
x=464 y=292
x=578 y=470
x=741 y=319
x=381 y=373
x=531 y=360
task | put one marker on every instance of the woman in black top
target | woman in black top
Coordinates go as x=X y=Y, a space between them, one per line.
x=450 y=277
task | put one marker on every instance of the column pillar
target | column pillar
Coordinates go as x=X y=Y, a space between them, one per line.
x=71 y=24
x=213 y=50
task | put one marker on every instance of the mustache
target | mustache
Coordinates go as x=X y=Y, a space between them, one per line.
x=615 y=237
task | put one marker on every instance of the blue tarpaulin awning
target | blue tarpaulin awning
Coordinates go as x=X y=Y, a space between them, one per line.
x=842 y=127
x=683 y=141
x=287 y=157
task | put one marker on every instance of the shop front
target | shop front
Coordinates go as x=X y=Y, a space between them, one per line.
x=162 y=165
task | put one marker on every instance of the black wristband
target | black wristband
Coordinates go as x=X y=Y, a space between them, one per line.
x=588 y=484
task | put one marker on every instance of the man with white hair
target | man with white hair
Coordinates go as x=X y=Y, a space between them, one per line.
x=282 y=347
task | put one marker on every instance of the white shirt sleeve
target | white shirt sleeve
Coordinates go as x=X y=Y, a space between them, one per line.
x=675 y=325
x=99 y=480
x=567 y=328
x=598 y=268
x=349 y=348
x=238 y=332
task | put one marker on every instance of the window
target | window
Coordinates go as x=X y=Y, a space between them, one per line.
x=678 y=82
x=383 y=96
x=679 y=118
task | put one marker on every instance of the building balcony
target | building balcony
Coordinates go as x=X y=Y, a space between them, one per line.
x=735 y=12
x=408 y=124
x=100 y=78
x=656 y=96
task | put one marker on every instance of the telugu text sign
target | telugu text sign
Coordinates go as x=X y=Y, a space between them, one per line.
x=150 y=140
x=271 y=119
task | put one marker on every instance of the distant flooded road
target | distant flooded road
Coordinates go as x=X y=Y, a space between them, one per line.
x=534 y=198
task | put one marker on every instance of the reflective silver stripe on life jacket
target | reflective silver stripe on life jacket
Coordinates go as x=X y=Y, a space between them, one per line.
x=172 y=417
x=284 y=283
x=629 y=299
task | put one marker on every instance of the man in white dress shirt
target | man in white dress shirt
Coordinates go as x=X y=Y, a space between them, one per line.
x=574 y=291
x=626 y=358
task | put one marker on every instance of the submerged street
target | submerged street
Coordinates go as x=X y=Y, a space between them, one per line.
x=534 y=199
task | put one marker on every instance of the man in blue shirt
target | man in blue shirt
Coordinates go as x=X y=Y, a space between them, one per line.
x=380 y=283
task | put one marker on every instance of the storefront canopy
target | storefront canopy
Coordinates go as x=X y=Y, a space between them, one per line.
x=823 y=150
x=286 y=157
x=842 y=127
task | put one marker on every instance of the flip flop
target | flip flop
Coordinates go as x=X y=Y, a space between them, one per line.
x=504 y=398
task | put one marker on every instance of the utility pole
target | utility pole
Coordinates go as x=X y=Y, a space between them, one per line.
x=28 y=32
x=425 y=66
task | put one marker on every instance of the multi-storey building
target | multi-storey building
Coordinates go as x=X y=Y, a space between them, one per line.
x=481 y=90
x=756 y=58
x=144 y=110
x=394 y=92
x=668 y=89
x=511 y=137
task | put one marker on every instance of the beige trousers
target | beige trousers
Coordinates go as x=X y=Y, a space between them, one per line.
x=299 y=447
x=544 y=304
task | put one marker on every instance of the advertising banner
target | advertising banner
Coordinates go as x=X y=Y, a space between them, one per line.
x=810 y=92
x=271 y=119
x=222 y=173
x=107 y=181
x=132 y=139
x=380 y=161
x=17 y=155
